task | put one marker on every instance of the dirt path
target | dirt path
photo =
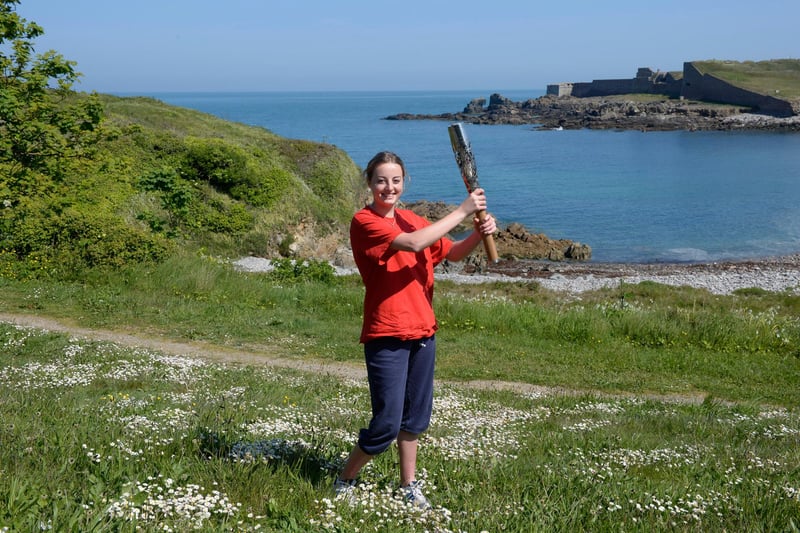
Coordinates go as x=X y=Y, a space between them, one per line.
x=209 y=351
x=254 y=356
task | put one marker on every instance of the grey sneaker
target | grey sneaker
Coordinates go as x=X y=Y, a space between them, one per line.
x=412 y=494
x=345 y=489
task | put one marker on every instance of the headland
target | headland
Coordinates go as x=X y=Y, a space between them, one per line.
x=706 y=95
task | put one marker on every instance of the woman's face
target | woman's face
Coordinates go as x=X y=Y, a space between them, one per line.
x=386 y=185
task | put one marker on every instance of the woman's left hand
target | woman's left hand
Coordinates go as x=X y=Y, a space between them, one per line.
x=487 y=227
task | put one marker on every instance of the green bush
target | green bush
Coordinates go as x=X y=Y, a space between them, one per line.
x=163 y=145
x=193 y=208
x=217 y=162
x=213 y=214
x=52 y=239
x=232 y=171
x=91 y=240
x=328 y=174
x=177 y=192
x=291 y=270
x=271 y=184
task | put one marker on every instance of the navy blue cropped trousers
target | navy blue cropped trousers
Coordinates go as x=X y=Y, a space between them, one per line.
x=400 y=375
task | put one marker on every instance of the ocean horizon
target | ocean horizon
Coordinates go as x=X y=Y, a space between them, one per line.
x=637 y=197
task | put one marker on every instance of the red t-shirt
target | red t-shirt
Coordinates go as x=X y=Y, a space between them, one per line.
x=399 y=285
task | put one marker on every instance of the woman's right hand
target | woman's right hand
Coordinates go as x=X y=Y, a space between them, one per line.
x=476 y=201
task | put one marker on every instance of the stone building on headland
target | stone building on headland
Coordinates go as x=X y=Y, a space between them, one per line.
x=691 y=84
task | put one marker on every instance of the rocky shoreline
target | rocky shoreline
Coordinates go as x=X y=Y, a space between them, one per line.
x=622 y=112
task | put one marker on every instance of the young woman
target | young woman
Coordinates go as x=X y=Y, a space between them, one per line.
x=395 y=251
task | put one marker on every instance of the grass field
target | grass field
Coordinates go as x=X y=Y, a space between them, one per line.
x=777 y=77
x=678 y=410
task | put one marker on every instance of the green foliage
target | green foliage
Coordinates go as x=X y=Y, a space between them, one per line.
x=227 y=192
x=91 y=240
x=273 y=184
x=176 y=192
x=99 y=436
x=65 y=240
x=155 y=148
x=191 y=208
x=311 y=160
x=327 y=174
x=39 y=130
x=232 y=171
x=96 y=181
x=217 y=214
x=291 y=270
x=245 y=183
x=35 y=265
x=218 y=162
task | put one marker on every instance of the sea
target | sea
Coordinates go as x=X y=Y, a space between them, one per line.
x=637 y=197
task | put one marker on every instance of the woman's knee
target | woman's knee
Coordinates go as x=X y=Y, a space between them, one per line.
x=377 y=438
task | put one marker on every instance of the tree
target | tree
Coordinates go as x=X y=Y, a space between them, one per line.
x=42 y=124
x=46 y=132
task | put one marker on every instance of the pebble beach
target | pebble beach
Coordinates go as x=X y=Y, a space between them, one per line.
x=776 y=274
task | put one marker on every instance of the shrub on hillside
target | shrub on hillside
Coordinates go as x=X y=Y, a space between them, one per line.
x=233 y=171
x=218 y=162
x=61 y=243
x=191 y=208
x=295 y=271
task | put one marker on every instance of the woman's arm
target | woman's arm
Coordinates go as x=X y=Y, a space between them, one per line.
x=424 y=237
x=462 y=248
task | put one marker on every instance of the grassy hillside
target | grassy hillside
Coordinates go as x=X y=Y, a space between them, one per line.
x=777 y=77
x=281 y=182
x=164 y=179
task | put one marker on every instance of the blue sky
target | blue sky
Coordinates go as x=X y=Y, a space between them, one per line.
x=124 y=46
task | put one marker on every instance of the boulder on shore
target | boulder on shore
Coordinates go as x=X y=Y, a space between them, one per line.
x=515 y=241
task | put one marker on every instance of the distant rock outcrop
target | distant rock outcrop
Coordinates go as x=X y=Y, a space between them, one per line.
x=611 y=112
x=706 y=95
